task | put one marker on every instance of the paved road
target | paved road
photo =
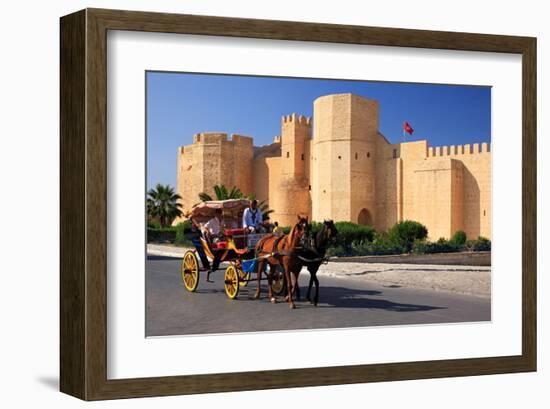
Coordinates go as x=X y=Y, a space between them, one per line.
x=344 y=302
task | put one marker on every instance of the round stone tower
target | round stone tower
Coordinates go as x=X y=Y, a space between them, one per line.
x=343 y=158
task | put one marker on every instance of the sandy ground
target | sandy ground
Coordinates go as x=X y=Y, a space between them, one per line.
x=473 y=280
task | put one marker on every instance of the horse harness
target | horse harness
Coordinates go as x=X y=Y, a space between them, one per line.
x=264 y=254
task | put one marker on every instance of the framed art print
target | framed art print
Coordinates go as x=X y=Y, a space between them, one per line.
x=252 y=204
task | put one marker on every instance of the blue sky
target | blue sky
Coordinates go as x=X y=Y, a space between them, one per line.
x=182 y=104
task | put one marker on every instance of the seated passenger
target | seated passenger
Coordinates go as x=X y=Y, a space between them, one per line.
x=212 y=232
x=212 y=228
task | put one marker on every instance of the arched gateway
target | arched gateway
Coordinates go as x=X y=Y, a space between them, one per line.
x=365 y=218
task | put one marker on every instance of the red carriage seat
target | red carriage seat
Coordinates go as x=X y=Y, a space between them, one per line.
x=238 y=236
x=219 y=245
x=234 y=232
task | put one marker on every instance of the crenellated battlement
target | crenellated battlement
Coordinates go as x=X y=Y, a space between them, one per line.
x=221 y=137
x=297 y=119
x=242 y=140
x=277 y=139
x=458 y=150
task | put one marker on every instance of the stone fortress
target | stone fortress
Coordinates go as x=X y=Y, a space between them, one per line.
x=341 y=167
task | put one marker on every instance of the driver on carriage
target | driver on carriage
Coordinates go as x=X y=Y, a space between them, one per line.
x=252 y=218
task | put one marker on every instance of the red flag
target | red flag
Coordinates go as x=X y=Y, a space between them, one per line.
x=407 y=128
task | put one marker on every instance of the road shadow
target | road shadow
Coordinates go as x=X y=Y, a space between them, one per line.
x=340 y=297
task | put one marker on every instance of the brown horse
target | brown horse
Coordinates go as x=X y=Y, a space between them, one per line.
x=279 y=251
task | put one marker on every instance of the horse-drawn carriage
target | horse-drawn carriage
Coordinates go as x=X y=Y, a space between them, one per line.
x=235 y=245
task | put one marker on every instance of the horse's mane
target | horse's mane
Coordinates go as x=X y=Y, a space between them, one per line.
x=291 y=234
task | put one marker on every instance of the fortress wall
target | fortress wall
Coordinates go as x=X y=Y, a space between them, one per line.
x=242 y=163
x=437 y=201
x=388 y=193
x=295 y=133
x=462 y=201
x=477 y=181
x=261 y=180
x=190 y=178
x=321 y=173
x=477 y=194
x=457 y=197
x=410 y=153
x=211 y=160
x=363 y=158
x=342 y=186
x=333 y=154
x=292 y=195
x=180 y=185
x=277 y=202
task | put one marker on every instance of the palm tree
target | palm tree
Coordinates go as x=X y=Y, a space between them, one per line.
x=163 y=204
x=221 y=193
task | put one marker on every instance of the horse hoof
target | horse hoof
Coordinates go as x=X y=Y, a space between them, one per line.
x=256 y=296
x=273 y=300
x=292 y=306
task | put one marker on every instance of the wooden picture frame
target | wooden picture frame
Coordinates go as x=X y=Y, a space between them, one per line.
x=83 y=231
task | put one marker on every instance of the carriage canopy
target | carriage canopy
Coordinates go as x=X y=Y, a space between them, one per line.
x=232 y=210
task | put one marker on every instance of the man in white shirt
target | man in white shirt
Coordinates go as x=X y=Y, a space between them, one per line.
x=213 y=226
x=252 y=217
x=212 y=230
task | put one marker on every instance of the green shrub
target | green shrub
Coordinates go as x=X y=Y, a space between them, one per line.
x=336 y=251
x=384 y=244
x=404 y=233
x=480 y=244
x=440 y=246
x=459 y=238
x=182 y=230
x=350 y=232
x=421 y=247
x=166 y=235
x=153 y=224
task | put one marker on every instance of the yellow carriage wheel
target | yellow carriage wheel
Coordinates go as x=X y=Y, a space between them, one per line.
x=231 y=279
x=190 y=271
x=244 y=277
x=278 y=281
